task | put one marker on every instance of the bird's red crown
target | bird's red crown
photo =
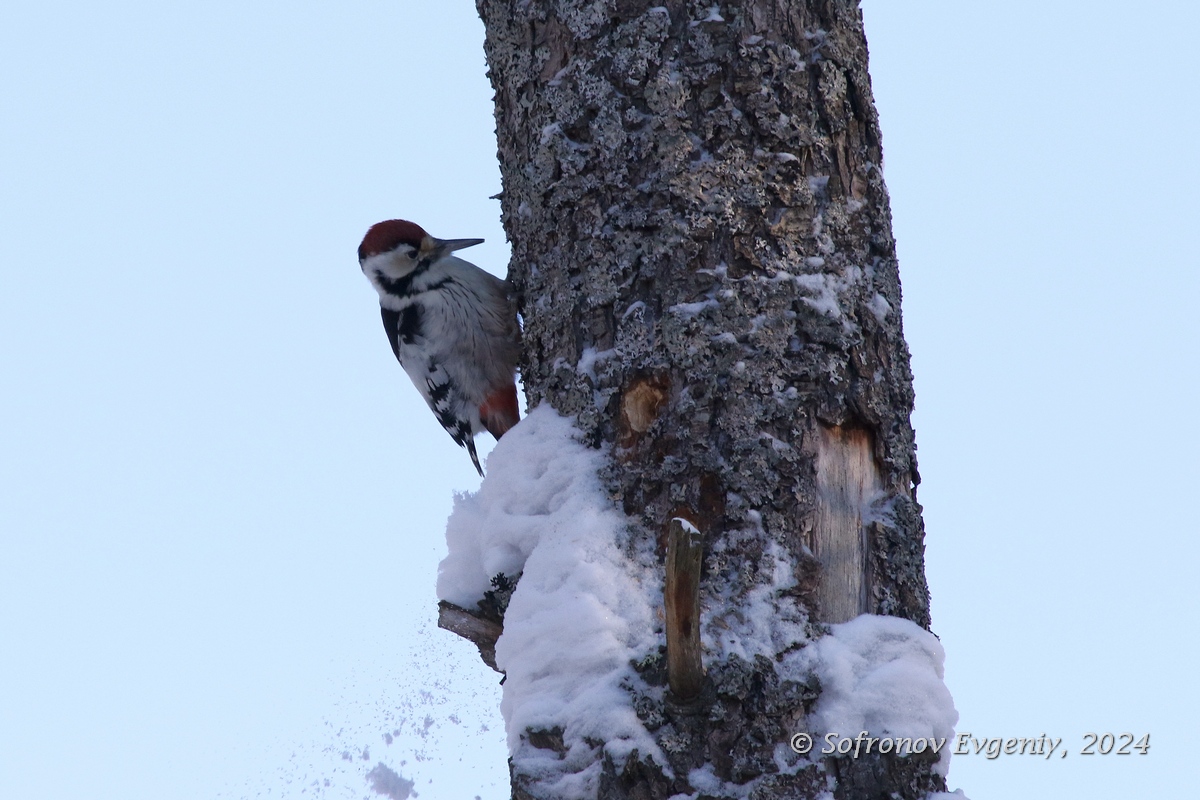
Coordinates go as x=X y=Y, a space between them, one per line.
x=388 y=235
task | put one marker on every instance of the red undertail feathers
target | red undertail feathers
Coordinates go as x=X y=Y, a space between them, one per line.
x=499 y=411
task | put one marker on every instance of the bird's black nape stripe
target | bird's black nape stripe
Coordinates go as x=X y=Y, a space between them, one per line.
x=442 y=284
x=401 y=287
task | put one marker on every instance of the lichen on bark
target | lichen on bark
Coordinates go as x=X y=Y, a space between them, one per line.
x=703 y=253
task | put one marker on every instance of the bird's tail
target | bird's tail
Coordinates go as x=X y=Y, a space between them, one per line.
x=470 y=445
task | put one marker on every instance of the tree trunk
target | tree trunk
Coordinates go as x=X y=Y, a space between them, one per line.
x=708 y=280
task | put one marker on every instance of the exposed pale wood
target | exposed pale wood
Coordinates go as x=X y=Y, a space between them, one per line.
x=481 y=632
x=685 y=552
x=640 y=404
x=847 y=481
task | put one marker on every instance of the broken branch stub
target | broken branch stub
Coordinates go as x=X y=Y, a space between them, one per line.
x=481 y=632
x=685 y=552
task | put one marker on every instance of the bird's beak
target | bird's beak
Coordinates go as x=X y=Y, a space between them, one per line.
x=441 y=247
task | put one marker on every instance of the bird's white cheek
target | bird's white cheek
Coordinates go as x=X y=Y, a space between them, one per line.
x=389 y=265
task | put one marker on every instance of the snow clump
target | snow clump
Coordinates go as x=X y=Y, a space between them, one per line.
x=582 y=610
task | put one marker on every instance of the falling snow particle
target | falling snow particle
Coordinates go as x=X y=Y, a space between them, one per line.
x=390 y=784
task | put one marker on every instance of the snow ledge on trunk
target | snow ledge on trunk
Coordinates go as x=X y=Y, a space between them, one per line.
x=582 y=610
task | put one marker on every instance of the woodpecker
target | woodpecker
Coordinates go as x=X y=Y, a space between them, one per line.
x=452 y=326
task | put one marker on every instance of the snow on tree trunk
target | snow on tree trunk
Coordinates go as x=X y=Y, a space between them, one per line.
x=708 y=280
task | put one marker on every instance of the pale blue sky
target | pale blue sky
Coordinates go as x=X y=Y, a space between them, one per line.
x=223 y=503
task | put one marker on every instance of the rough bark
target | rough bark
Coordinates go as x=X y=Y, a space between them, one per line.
x=702 y=248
